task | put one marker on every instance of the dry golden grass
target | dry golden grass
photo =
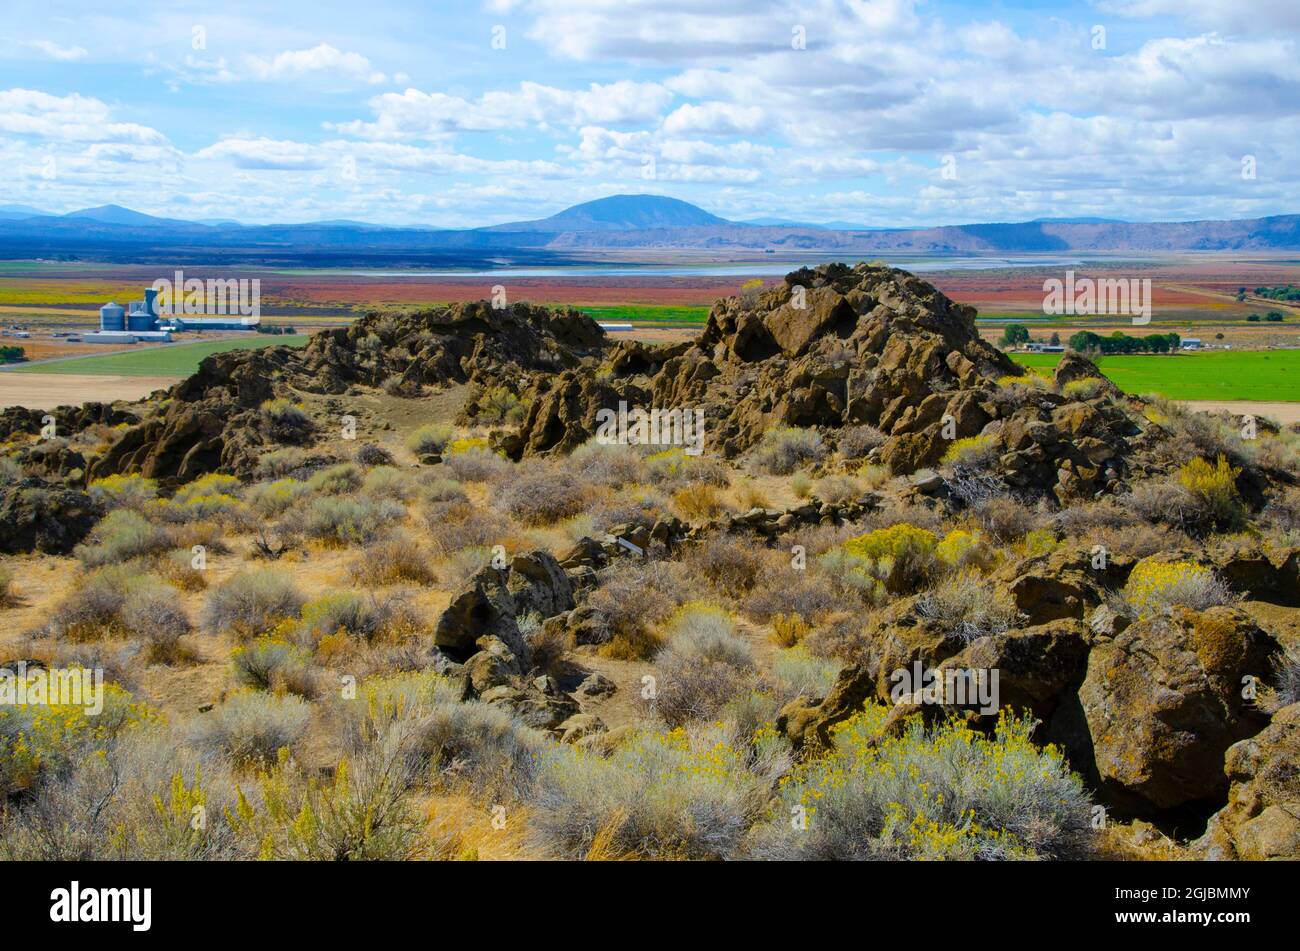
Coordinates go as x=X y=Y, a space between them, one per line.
x=789 y=629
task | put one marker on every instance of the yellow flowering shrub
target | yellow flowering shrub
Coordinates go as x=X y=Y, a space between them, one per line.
x=1037 y=541
x=961 y=549
x=168 y=829
x=1154 y=415
x=38 y=737
x=467 y=444
x=1155 y=586
x=1030 y=380
x=123 y=491
x=1083 y=389
x=214 y=483
x=349 y=817
x=973 y=450
x=789 y=629
x=1215 y=487
x=285 y=412
x=896 y=541
x=901 y=556
x=273 y=498
x=947 y=793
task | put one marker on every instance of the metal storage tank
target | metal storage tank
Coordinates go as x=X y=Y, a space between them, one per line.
x=139 y=318
x=112 y=317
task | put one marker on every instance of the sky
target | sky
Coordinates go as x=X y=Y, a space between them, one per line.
x=883 y=113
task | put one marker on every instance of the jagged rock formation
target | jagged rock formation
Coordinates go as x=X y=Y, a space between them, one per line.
x=211 y=421
x=1163 y=702
x=828 y=347
x=836 y=346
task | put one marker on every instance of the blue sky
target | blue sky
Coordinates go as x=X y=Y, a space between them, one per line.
x=879 y=112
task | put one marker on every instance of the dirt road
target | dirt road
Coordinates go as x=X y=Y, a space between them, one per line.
x=48 y=390
x=1281 y=412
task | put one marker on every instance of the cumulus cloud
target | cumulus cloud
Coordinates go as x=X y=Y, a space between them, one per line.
x=263 y=153
x=68 y=118
x=419 y=115
x=294 y=64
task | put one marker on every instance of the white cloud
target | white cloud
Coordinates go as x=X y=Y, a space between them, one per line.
x=1230 y=16
x=419 y=115
x=715 y=118
x=65 y=54
x=263 y=153
x=68 y=118
x=294 y=64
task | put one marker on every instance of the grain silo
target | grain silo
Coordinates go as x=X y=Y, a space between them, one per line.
x=139 y=317
x=112 y=316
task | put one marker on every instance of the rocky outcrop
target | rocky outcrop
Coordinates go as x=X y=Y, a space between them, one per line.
x=828 y=347
x=1262 y=817
x=1075 y=366
x=837 y=346
x=44 y=517
x=496 y=599
x=68 y=420
x=481 y=627
x=1162 y=702
x=211 y=421
x=1066 y=583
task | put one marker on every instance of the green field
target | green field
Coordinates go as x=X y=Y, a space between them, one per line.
x=648 y=313
x=168 y=360
x=1261 y=375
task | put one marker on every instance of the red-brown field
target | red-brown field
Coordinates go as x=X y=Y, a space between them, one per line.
x=1187 y=289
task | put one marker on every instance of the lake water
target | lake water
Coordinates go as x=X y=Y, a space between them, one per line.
x=918 y=264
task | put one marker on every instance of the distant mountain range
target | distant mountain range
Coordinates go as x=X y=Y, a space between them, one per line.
x=622 y=222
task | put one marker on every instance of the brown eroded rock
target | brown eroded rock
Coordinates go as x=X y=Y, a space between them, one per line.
x=1262 y=817
x=1162 y=703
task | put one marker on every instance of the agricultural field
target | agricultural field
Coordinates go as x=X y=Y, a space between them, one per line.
x=168 y=360
x=1263 y=376
x=648 y=313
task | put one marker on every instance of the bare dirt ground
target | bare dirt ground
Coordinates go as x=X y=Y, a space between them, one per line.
x=1283 y=413
x=48 y=390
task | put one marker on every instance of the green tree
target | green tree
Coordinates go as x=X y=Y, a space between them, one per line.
x=1014 y=334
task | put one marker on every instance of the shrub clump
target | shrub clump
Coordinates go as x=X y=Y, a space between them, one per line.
x=123 y=491
x=337 y=480
x=703 y=665
x=251 y=727
x=949 y=793
x=973 y=452
x=345 y=521
x=153 y=612
x=275 y=498
x=901 y=556
x=784 y=449
x=676 y=795
x=966 y=607
x=429 y=440
x=394 y=558
x=251 y=603
x=542 y=495
x=123 y=534
x=1084 y=388
x=1214 y=487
